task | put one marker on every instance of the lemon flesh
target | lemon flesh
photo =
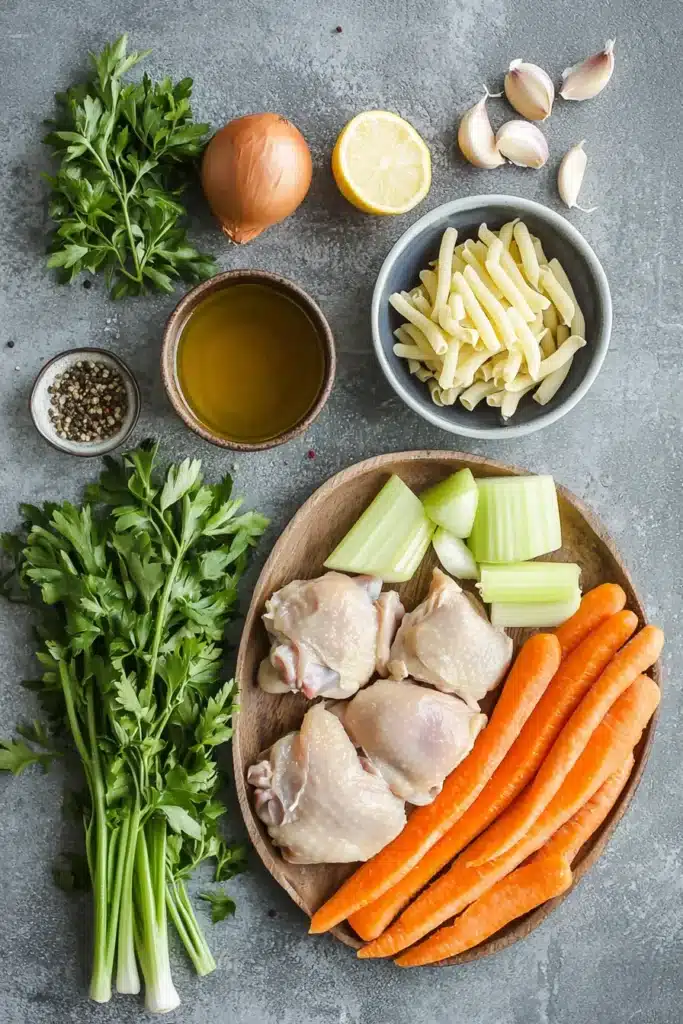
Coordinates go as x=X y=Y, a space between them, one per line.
x=381 y=164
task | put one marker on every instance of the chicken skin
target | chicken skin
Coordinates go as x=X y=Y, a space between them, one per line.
x=319 y=803
x=411 y=735
x=448 y=642
x=328 y=635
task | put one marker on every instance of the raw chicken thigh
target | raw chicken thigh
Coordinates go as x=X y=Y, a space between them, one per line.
x=411 y=735
x=448 y=642
x=328 y=634
x=319 y=803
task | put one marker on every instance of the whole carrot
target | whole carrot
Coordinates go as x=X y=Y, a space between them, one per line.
x=637 y=656
x=530 y=674
x=596 y=606
x=547 y=875
x=512 y=897
x=608 y=748
x=569 y=685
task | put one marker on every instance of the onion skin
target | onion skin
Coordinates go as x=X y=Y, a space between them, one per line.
x=255 y=172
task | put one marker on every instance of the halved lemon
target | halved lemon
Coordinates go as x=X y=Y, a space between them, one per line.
x=381 y=164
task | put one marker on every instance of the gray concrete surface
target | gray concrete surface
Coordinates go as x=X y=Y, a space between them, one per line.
x=613 y=952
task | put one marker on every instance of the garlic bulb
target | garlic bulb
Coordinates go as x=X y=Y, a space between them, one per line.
x=523 y=143
x=570 y=176
x=586 y=79
x=475 y=136
x=530 y=90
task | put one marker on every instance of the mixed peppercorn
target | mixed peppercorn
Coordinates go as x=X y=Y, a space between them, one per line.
x=89 y=402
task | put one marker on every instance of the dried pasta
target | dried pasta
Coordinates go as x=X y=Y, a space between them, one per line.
x=492 y=319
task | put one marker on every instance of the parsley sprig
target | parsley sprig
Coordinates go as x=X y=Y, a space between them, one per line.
x=136 y=587
x=126 y=155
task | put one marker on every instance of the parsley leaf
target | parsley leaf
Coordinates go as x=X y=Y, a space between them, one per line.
x=126 y=153
x=222 y=905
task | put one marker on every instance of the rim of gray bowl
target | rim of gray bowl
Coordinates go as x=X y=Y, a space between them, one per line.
x=600 y=346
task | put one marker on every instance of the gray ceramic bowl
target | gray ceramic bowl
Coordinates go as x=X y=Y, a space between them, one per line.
x=420 y=244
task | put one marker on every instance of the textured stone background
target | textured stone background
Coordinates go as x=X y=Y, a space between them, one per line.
x=613 y=952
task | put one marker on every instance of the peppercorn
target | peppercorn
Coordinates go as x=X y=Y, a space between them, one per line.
x=88 y=402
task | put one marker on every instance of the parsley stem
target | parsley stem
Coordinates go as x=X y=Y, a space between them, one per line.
x=127 y=977
x=191 y=935
x=160 y=993
x=161 y=619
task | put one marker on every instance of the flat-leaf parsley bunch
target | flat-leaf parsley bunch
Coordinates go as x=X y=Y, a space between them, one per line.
x=126 y=154
x=136 y=587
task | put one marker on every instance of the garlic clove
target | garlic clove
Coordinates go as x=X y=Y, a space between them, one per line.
x=586 y=79
x=570 y=176
x=475 y=136
x=523 y=143
x=530 y=90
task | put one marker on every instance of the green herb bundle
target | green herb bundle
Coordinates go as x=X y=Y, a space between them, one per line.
x=136 y=587
x=126 y=154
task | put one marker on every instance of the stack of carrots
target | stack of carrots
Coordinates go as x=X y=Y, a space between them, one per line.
x=542 y=778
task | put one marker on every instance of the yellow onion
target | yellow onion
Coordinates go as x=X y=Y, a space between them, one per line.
x=255 y=172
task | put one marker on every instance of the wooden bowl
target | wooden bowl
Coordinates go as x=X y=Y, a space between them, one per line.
x=174 y=329
x=299 y=553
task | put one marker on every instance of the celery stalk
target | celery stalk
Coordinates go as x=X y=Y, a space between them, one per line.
x=454 y=555
x=452 y=503
x=529 y=582
x=517 y=518
x=389 y=539
x=538 y=615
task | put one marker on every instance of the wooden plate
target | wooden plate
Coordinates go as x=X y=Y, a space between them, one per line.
x=299 y=554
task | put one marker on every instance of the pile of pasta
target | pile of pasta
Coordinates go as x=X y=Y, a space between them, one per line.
x=492 y=319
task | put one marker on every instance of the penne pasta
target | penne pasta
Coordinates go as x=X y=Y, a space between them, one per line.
x=433 y=334
x=444 y=270
x=506 y=232
x=534 y=299
x=450 y=363
x=491 y=306
x=457 y=306
x=550 y=318
x=473 y=258
x=474 y=394
x=560 y=356
x=449 y=396
x=578 y=324
x=527 y=253
x=512 y=365
x=505 y=283
x=495 y=399
x=408 y=352
x=528 y=344
x=547 y=343
x=552 y=383
x=554 y=290
x=424 y=374
x=435 y=392
x=562 y=333
x=538 y=248
x=412 y=335
x=468 y=366
x=511 y=399
x=413 y=366
x=515 y=253
x=476 y=313
x=428 y=278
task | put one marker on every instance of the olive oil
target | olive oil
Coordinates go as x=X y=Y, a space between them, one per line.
x=250 y=363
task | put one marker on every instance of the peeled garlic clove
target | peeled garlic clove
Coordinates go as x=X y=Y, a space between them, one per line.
x=570 y=176
x=523 y=143
x=530 y=90
x=476 y=139
x=585 y=80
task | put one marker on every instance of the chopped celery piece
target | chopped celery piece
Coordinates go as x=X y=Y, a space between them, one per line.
x=454 y=555
x=452 y=504
x=517 y=519
x=529 y=582
x=389 y=540
x=540 y=615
